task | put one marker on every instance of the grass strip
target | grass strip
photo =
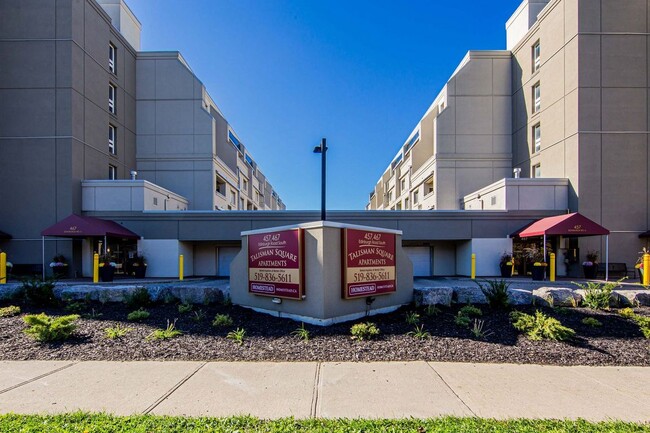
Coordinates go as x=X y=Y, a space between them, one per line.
x=93 y=423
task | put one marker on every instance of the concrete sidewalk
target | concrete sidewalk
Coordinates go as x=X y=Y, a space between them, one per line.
x=328 y=389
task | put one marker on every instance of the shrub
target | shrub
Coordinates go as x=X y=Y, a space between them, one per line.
x=45 y=328
x=184 y=308
x=165 y=334
x=419 y=333
x=75 y=306
x=222 y=320
x=237 y=336
x=540 y=326
x=9 y=311
x=644 y=324
x=470 y=310
x=138 y=315
x=496 y=293
x=432 y=310
x=591 y=321
x=627 y=313
x=412 y=318
x=462 y=320
x=139 y=298
x=301 y=332
x=116 y=331
x=364 y=331
x=477 y=329
x=198 y=316
x=39 y=292
x=597 y=295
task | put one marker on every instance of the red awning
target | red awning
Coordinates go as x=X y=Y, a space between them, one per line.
x=76 y=226
x=572 y=224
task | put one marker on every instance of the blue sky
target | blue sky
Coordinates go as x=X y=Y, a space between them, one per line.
x=286 y=73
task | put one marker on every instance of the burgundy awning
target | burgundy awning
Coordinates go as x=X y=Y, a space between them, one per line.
x=76 y=226
x=572 y=224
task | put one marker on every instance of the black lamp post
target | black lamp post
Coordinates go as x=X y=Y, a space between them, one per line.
x=322 y=149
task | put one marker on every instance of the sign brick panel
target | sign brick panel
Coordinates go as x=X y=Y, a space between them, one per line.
x=368 y=263
x=275 y=264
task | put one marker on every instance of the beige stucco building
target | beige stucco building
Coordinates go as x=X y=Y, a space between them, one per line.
x=568 y=99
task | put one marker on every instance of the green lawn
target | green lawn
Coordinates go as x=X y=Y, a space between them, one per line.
x=82 y=423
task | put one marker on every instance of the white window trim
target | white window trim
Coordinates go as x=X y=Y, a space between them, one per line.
x=112 y=97
x=112 y=172
x=537 y=56
x=537 y=97
x=112 y=141
x=112 y=54
x=537 y=138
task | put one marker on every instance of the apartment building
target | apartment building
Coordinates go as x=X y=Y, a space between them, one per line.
x=185 y=143
x=575 y=74
x=79 y=101
x=461 y=143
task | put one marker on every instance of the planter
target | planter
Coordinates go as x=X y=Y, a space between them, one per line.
x=506 y=271
x=539 y=273
x=60 y=271
x=106 y=273
x=139 y=271
x=590 y=271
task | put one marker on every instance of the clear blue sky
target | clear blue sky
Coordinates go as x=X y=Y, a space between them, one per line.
x=287 y=72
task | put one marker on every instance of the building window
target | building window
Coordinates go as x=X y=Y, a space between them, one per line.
x=112 y=58
x=415 y=197
x=537 y=170
x=221 y=185
x=155 y=201
x=537 y=138
x=537 y=98
x=406 y=203
x=390 y=196
x=112 y=96
x=112 y=140
x=233 y=197
x=245 y=185
x=428 y=186
x=536 y=57
x=112 y=172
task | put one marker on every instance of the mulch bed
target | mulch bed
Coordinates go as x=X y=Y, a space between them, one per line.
x=617 y=342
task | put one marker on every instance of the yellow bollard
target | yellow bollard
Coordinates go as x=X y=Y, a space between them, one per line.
x=95 y=268
x=473 y=266
x=3 y=268
x=646 y=269
x=180 y=267
x=552 y=271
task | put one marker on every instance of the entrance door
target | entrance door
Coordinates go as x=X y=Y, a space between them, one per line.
x=225 y=257
x=421 y=259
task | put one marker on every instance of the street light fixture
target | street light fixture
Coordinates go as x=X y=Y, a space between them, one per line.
x=322 y=149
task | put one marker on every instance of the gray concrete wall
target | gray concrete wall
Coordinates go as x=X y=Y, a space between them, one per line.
x=54 y=114
x=175 y=130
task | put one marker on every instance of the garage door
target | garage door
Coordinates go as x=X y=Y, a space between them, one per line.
x=421 y=259
x=226 y=255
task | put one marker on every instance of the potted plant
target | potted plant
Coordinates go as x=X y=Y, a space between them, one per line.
x=59 y=266
x=106 y=268
x=506 y=264
x=639 y=262
x=536 y=255
x=590 y=266
x=139 y=266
